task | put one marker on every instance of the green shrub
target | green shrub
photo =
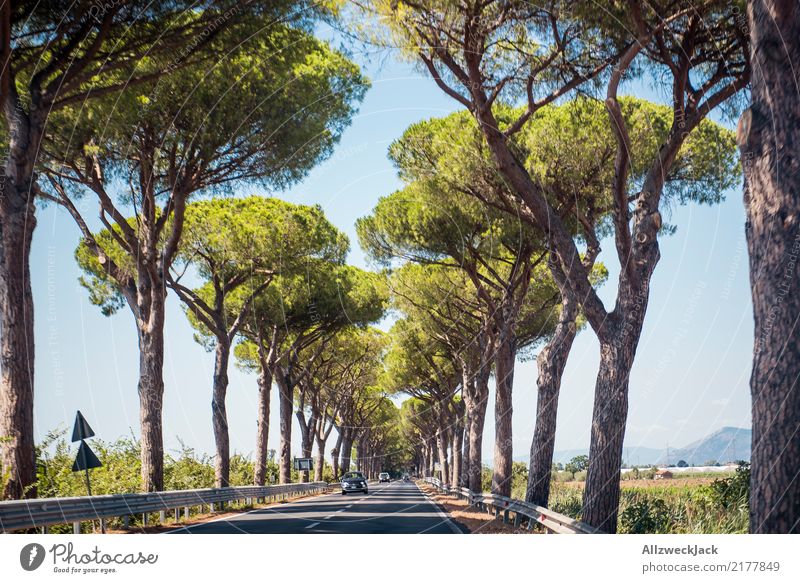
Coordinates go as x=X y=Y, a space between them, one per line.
x=734 y=491
x=567 y=500
x=646 y=516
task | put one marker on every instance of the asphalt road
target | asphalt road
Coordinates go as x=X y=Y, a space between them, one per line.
x=397 y=508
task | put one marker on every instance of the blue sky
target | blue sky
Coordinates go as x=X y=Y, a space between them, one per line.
x=692 y=366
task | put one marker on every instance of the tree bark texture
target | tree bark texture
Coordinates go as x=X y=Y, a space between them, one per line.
x=219 y=416
x=503 y=410
x=441 y=444
x=151 y=388
x=286 y=404
x=550 y=362
x=347 y=451
x=335 y=454
x=262 y=430
x=769 y=141
x=17 y=453
x=609 y=415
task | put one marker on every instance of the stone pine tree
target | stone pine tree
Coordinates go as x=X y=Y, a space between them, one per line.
x=450 y=151
x=56 y=56
x=444 y=302
x=238 y=247
x=698 y=52
x=769 y=139
x=221 y=132
x=295 y=313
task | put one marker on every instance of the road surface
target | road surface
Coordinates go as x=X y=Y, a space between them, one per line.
x=397 y=507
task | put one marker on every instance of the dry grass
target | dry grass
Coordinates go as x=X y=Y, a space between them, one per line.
x=473 y=520
x=650 y=483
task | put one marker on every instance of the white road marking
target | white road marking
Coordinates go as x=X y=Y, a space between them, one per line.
x=264 y=510
x=445 y=518
x=312 y=525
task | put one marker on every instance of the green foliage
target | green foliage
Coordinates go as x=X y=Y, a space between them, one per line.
x=576 y=465
x=569 y=150
x=238 y=246
x=120 y=473
x=681 y=506
x=647 y=516
x=734 y=491
x=270 y=106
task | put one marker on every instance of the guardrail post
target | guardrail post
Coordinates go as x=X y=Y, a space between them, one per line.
x=76 y=528
x=505 y=516
x=212 y=507
x=162 y=516
x=516 y=520
x=186 y=513
x=144 y=519
x=102 y=525
x=126 y=522
x=177 y=515
x=496 y=512
x=45 y=529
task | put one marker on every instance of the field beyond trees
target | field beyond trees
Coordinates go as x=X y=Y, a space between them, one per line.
x=698 y=504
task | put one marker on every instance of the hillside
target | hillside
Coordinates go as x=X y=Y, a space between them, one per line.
x=724 y=445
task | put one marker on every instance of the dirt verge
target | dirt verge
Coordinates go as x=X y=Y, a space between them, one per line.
x=474 y=521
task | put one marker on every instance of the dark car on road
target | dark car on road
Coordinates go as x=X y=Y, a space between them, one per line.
x=354 y=482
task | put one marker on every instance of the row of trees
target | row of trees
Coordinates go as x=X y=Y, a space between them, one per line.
x=606 y=168
x=151 y=113
x=478 y=286
x=492 y=243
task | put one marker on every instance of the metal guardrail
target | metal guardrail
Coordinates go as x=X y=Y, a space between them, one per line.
x=551 y=520
x=45 y=512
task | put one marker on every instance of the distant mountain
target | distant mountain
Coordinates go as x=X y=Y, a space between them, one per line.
x=728 y=444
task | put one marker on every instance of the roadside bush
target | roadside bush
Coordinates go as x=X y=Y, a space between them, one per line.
x=121 y=470
x=646 y=516
x=567 y=500
x=733 y=491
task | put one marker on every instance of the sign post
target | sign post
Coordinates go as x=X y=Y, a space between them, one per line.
x=86 y=459
x=304 y=464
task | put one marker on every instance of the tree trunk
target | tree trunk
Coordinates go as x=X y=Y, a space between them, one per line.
x=609 y=415
x=347 y=450
x=360 y=455
x=769 y=139
x=306 y=439
x=432 y=458
x=463 y=479
x=477 y=418
x=458 y=442
x=286 y=403
x=319 y=461
x=503 y=409
x=551 y=362
x=262 y=431
x=441 y=444
x=151 y=395
x=17 y=454
x=335 y=454
x=219 y=416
